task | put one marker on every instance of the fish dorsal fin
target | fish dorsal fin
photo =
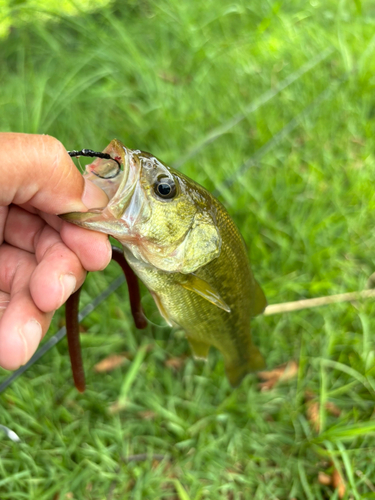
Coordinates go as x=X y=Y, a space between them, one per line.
x=201 y=287
x=260 y=301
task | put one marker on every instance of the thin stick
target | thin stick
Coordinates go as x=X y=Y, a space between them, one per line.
x=319 y=301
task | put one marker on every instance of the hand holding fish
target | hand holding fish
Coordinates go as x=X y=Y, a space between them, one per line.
x=42 y=258
x=175 y=236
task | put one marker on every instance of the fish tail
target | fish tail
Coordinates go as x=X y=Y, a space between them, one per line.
x=237 y=371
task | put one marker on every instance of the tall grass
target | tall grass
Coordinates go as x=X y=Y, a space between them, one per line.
x=271 y=105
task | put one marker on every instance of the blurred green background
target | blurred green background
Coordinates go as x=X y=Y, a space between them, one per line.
x=271 y=105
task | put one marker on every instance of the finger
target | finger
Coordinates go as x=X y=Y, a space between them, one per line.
x=96 y=253
x=24 y=230
x=92 y=197
x=37 y=169
x=92 y=248
x=58 y=273
x=22 y=324
x=22 y=327
x=3 y=217
x=4 y=301
x=93 y=257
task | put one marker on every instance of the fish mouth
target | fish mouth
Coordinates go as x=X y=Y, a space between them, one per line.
x=112 y=219
x=131 y=173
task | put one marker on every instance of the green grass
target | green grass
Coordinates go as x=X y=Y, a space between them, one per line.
x=272 y=106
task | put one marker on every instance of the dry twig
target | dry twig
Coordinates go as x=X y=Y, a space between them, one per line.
x=297 y=305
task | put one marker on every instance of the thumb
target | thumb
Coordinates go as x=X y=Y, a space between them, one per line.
x=36 y=169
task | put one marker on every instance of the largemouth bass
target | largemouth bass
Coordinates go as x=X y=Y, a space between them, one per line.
x=182 y=244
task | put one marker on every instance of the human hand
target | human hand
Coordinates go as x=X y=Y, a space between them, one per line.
x=42 y=258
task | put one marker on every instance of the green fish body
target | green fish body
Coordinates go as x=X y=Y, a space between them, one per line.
x=183 y=245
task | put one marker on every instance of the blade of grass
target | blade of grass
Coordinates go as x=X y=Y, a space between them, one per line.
x=347 y=432
x=348 y=469
x=181 y=492
x=131 y=374
x=350 y=371
x=304 y=481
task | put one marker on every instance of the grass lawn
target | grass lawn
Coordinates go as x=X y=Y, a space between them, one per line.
x=271 y=105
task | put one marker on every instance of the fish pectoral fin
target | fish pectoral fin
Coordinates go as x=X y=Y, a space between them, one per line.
x=161 y=308
x=200 y=349
x=201 y=287
x=236 y=371
x=260 y=302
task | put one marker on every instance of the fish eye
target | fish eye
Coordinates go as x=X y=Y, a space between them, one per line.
x=165 y=188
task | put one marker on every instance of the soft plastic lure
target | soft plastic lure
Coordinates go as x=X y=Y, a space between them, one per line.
x=72 y=304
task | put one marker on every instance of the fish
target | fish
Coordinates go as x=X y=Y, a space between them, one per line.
x=183 y=245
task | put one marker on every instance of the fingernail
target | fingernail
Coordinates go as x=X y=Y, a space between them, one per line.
x=31 y=335
x=68 y=285
x=93 y=196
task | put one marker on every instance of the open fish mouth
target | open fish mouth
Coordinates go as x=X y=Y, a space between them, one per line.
x=127 y=204
x=128 y=182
